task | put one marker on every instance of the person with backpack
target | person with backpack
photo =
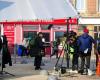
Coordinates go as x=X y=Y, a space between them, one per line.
x=85 y=46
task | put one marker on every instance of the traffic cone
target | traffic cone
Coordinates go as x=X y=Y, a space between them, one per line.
x=98 y=67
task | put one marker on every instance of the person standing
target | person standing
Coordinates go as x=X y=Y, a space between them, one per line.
x=6 y=55
x=38 y=48
x=85 y=46
x=74 y=52
x=97 y=52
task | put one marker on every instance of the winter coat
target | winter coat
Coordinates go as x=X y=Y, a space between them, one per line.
x=37 y=48
x=85 y=42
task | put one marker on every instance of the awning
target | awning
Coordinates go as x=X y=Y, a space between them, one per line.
x=30 y=10
x=89 y=21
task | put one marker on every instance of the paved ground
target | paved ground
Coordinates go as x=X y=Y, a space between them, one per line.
x=27 y=72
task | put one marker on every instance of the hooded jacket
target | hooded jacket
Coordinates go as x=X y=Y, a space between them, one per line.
x=85 y=42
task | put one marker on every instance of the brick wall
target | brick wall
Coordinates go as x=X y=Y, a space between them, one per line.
x=91 y=6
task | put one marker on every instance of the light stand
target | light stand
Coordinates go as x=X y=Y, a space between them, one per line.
x=67 y=51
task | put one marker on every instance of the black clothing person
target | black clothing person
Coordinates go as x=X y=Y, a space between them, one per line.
x=6 y=57
x=38 y=48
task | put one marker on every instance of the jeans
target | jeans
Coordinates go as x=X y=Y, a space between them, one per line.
x=37 y=61
x=85 y=60
x=75 y=62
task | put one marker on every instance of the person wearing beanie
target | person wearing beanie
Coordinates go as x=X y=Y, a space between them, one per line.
x=85 y=46
x=86 y=30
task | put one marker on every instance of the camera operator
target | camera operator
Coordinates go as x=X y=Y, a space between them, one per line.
x=73 y=50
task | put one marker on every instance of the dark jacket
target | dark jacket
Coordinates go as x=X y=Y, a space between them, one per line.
x=6 y=56
x=38 y=46
x=85 y=41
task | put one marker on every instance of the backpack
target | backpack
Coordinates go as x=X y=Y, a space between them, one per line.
x=32 y=42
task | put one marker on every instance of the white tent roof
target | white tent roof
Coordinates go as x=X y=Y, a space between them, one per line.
x=20 y=10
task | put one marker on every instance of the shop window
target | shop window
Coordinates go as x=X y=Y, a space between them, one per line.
x=95 y=35
x=30 y=27
x=47 y=37
x=81 y=27
x=95 y=28
x=28 y=34
x=81 y=5
x=97 y=32
x=58 y=34
x=59 y=27
x=46 y=27
x=99 y=28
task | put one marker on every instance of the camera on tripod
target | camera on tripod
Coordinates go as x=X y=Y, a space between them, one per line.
x=71 y=36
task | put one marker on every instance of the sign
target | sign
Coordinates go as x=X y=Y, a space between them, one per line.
x=9 y=32
x=44 y=22
x=8 y=27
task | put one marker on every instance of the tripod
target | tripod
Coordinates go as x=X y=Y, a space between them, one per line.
x=66 y=54
x=67 y=50
x=70 y=35
x=2 y=72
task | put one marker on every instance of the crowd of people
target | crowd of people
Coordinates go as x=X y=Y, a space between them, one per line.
x=79 y=47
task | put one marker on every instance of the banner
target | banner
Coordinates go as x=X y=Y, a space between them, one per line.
x=9 y=32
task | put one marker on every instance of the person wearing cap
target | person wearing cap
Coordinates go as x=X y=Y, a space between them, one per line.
x=85 y=46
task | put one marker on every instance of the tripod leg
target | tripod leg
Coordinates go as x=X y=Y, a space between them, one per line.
x=67 y=59
x=58 y=58
x=8 y=73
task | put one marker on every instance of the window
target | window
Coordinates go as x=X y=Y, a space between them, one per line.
x=95 y=35
x=97 y=32
x=46 y=36
x=58 y=34
x=81 y=27
x=99 y=5
x=81 y=5
x=95 y=28
x=30 y=27
x=28 y=34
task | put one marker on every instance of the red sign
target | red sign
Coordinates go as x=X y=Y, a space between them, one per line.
x=37 y=22
x=73 y=21
x=9 y=32
x=8 y=27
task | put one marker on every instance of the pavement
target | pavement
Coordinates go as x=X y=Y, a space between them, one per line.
x=25 y=70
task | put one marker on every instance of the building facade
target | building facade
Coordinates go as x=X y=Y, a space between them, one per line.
x=19 y=21
x=89 y=11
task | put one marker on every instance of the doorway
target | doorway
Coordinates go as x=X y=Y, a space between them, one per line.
x=46 y=35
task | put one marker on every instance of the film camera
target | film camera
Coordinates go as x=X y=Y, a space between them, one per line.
x=70 y=36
